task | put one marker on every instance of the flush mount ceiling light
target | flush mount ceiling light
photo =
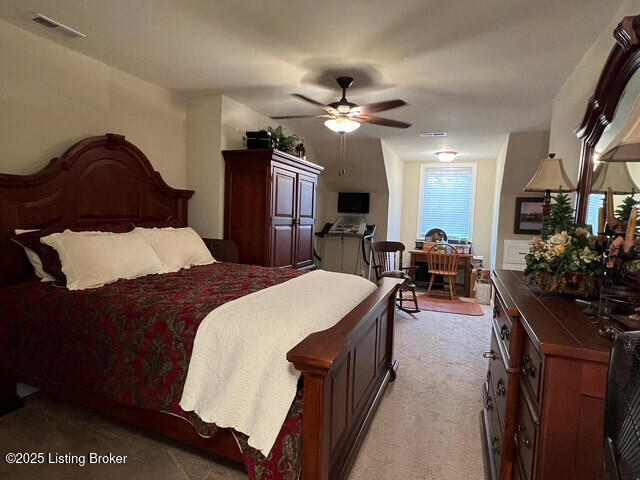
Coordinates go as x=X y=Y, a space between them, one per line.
x=446 y=156
x=342 y=124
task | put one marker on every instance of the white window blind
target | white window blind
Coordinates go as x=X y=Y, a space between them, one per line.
x=595 y=202
x=446 y=200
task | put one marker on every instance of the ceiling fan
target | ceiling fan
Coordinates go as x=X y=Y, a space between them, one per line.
x=344 y=116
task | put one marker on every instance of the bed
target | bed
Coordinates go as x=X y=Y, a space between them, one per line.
x=345 y=369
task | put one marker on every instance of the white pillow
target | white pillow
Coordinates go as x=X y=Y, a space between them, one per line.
x=93 y=259
x=178 y=247
x=34 y=259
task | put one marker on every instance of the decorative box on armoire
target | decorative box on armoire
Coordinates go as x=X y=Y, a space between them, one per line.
x=270 y=207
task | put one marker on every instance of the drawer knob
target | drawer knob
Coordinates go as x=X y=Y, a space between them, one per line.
x=495 y=447
x=519 y=436
x=489 y=355
x=504 y=332
x=488 y=403
x=500 y=388
x=495 y=311
x=528 y=368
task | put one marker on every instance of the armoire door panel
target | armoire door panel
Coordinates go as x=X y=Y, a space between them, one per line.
x=307 y=197
x=282 y=246
x=306 y=219
x=304 y=246
x=284 y=193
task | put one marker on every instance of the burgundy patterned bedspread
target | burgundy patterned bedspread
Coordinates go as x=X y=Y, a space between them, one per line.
x=132 y=341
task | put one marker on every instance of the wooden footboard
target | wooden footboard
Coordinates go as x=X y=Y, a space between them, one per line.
x=346 y=369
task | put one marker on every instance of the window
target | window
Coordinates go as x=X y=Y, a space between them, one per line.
x=595 y=202
x=446 y=199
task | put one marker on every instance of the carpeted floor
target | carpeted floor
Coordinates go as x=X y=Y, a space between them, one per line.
x=426 y=427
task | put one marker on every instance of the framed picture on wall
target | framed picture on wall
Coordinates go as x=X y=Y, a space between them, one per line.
x=528 y=215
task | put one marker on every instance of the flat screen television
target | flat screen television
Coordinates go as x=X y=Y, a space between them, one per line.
x=349 y=202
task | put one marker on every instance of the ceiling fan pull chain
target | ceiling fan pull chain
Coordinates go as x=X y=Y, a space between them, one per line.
x=341 y=157
x=344 y=153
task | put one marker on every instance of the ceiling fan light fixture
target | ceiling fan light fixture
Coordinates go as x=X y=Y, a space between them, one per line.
x=342 y=125
x=446 y=156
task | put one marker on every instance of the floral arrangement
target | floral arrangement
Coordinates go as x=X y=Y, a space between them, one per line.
x=285 y=143
x=564 y=259
x=563 y=253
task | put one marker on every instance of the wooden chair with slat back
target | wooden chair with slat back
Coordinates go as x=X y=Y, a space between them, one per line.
x=387 y=262
x=443 y=260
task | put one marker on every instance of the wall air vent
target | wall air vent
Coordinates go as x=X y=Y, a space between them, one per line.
x=50 y=23
x=433 y=134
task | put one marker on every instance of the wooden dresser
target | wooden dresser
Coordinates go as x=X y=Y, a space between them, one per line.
x=543 y=415
x=270 y=207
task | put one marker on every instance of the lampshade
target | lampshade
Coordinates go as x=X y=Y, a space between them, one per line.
x=622 y=153
x=615 y=175
x=550 y=176
x=342 y=125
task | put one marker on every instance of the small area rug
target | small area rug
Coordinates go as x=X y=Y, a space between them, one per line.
x=444 y=305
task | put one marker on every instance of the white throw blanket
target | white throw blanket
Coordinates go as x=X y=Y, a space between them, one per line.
x=239 y=376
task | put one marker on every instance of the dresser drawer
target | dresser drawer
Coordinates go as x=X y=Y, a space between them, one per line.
x=497 y=363
x=531 y=367
x=525 y=436
x=503 y=324
x=495 y=430
x=499 y=380
x=500 y=389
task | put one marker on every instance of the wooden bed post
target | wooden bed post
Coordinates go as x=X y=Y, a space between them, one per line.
x=315 y=427
x=9 y=399
x=345 y=370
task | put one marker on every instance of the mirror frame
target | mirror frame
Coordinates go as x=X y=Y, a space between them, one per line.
x=622 y=63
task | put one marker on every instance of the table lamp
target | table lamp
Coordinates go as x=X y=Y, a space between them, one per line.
x=629 y=152
x=549 y=177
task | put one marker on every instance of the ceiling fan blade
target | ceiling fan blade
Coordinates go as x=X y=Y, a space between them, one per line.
x=308 y=100
x=330 y=110
x=385 y=122
x=381 y=106
x=284 y=117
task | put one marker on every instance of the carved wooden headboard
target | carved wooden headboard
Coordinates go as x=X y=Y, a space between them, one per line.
x=98 y=180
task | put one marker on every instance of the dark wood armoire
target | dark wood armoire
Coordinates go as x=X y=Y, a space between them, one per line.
x=270 y=207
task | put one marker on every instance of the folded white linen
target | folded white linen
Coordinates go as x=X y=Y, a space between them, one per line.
x=239 y=376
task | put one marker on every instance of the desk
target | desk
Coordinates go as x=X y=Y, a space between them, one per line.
x=464 y=264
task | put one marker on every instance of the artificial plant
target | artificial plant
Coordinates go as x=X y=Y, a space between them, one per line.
x=561 y=218
x=623 y=212
x=283 y=142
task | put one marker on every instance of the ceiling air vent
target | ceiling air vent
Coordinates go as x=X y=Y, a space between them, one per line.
x=50 y=23
x=433 y=134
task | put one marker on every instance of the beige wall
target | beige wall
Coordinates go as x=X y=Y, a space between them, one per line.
x=524 y=150
x=499 y=175
x=204 y=173
x=570 y=103
x=483 y=210
x=339 y=256
x=394 y=168
x=371 y=167
x=214 y=123
x=51 y=97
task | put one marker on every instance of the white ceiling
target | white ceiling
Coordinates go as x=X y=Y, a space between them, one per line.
x=476 y=69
